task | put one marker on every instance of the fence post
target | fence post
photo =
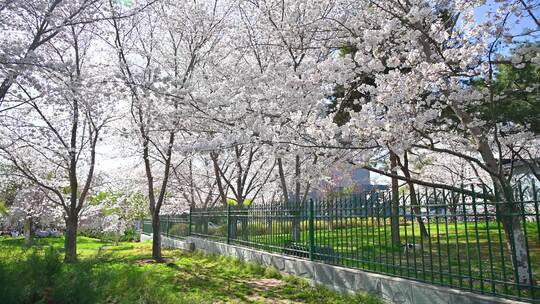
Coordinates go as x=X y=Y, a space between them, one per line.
x=311 y=215
x=168 y=224
x=189 y=220
x=228 y=223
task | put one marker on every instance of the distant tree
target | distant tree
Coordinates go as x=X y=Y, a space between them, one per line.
x=31 y=207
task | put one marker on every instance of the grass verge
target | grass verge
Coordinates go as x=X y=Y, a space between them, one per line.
x=125 y=274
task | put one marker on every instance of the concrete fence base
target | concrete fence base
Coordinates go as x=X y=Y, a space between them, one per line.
x=390 y=289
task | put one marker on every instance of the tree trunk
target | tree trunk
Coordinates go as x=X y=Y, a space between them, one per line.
x=515 y=241
x=28 y=232
x=394 y=211
x=243 y=220
x=198 y=225
x=296 y=221
x=205 y=228
x=296 y=233
x=71 y=239
x=269 y=227
x=511 y=222
x=233 y=232
x=217 y=174
x=416 y=210
x=156 y=238
x=282 y=180
x=245 y=228
x=453 y=206
x=292 y=206
x=508 y=212
x=415 y=204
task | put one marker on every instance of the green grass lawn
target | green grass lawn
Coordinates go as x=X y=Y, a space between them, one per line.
x=124 y=274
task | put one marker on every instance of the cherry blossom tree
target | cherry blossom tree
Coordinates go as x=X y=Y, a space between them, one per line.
x=196 y=181
x=51 y=140
x=112 y=213
x=268 y=90
x=31 y=25
x=415 y=69
x=250 y=172
x=226 y=99
x=28 y=26
x=31 y=207
x=160 y=54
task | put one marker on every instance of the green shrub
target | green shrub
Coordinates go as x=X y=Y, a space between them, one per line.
x=128 y=236
x=255 y=268
x=178 y=229
x=272 y=273
x=218 y=230
x=30 y=276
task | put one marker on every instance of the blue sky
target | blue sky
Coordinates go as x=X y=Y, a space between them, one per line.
x=517 y=28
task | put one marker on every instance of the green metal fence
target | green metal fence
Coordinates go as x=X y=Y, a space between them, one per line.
x=175 y=226
x=470 y=241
